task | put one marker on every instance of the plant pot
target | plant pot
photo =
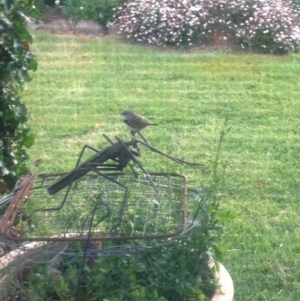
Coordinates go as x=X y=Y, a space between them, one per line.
x=224 y=293
x=226 y=290
x=20 y=259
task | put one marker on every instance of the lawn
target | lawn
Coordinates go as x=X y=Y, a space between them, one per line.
x=82 y=86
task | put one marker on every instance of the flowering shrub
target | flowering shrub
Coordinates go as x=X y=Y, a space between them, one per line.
x=162 y=22
x=271 y=26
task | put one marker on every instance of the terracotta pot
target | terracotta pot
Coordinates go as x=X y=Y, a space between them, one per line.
x=224 y=293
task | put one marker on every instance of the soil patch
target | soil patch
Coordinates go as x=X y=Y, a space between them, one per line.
x=52 y=13
x=54 y=21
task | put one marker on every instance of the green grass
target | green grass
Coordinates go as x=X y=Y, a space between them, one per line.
x=83 y=85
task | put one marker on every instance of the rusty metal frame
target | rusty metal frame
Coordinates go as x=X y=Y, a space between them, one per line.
x=26 y=189
x=23 y=193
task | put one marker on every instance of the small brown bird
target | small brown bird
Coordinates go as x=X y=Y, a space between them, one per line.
x=135 y=122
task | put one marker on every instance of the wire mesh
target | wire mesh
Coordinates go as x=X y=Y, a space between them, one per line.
x=115 y=230
x=50 y=270
x=123 y=207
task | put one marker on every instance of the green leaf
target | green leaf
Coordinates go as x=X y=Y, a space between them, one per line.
x=22 y=109
x=5 y=22
x=24 y=75
x=35 y=14
x=7 y=4
x=33 y=65
x=29 y=140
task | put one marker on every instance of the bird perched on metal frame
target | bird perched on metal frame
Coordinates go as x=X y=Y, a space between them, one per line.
x=135 y=122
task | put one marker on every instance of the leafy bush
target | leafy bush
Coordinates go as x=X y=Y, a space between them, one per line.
x=15 y=61
x=268 y=26
x=95 y=10
x=42 y=5
x=161 y=270
x=78 y=10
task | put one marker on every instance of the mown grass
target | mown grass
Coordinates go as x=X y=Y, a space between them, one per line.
x=82 y=85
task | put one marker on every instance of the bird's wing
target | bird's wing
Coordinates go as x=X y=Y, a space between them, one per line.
x=138 y=121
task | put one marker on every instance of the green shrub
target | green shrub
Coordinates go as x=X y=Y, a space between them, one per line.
x=15 y=61
x=41 y=5
x=78 y=10
x=134 y=270
x=95 y=10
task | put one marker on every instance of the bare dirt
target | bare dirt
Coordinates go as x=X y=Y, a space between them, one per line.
x=54 y=21
x=53 y=13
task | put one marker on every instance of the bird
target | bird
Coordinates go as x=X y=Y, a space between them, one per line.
x=135 y=122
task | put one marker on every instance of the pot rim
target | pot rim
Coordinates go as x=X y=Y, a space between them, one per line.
x=226 y=289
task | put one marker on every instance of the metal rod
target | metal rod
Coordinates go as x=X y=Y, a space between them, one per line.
x=139 y=164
